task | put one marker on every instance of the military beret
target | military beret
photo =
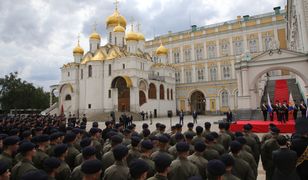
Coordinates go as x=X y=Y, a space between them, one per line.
x=178 y=126
x=3 y=136
x=3 y=167
x=195 y=178
x=107 y=123
x=272 y=125
x=247 y=127
x=162 y=126
x=146 y=144
x=69 y=137
x=13 y=132
x=26 y=146
x=43 y=138
x=173 y=127
x=35 y=174
x=214 y=134
x=241 y=140
x=88 y=151
x=207 y=124
x=200 y=146
x=282 y=140
x=10 y=140
x=227 y=126
x=85 y=142
x=190 y=125
x=238 y=134
x=145 y=126
x=138 y=167
x=179 y=136
x=135 y=140
x=157 y=125
x=77 y=130
x=51 y=163
x=111 y=133
x=182 y=147
x=216 y=168
x=95 y=124
x=275 y=130
x=221 y=125
x=162 y=161
x=91 y=166
x=26 y=133
x=69 y=127
x=146 y=132
x=209 y=137
x=55 y=135
x=235 y=146
x=34 y=139
x=127 y=131
x=199 y=129
x=167 y=135
x=227 y=159
x=163 y=139
x=60 y=149
x=116 y=139
x=117 y=125
x=119 y=152
x=38 y=129
x=189 y=135
x=153 y=138
x=83 y=126
x=93 y=130
x=130 y=127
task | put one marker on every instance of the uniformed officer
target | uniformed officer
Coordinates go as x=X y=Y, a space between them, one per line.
x=210 y=153
x=162 y=145
x=27 y=149
x=215 y=169
x=95 y=137
x=190 y=129
x=134 y=152
x=72 y=152
x=34 y=174
x=228 y=160
x=198 y=137
x=41 y=155
x=146 y=151
x=4 y=171
x=55 y=138
x=64 y=171
x=264 y=108
x=51 y=165
x=295 y=110
x=138 y=169
x=207 y=129
x=92 y=169
x=119 y=169
x=198 y=159
x=88 y=153
x=253 y=141
x=162 y=167
x=303 y=108
x=224 y=138
x=179 y=137
x=10 y=146
x=182 y=168
x=108 y=158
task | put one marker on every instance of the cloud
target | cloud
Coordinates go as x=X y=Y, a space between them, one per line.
x=37 y=36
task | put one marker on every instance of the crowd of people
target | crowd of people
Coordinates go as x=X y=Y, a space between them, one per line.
x=47 y=147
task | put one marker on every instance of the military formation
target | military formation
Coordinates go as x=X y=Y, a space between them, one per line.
x=47 y=147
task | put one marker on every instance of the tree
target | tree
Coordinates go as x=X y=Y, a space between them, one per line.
x=18 y=94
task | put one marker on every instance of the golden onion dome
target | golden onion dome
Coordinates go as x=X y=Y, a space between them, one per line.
x=118 y=28
x=161 y=50
x=141 y=37
x=78 y=50
x=132 y=36
x=116 y=19
x=95 y=36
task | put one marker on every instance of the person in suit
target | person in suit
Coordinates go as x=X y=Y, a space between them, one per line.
x=264 y=109
x=284 y=161
x=229 y=115
x=285 y=110
x=277 y=110
x=295 y=110
x=181 y=117
x=195 y=115
x=303 y=108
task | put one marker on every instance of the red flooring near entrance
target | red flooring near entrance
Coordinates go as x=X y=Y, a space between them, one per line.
x=260 y=126
x=281 y=91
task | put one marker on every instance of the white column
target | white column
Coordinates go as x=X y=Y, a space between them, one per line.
x=170 y=56
x=218 y=71
x=217 y=49
x=205 y=51
x=194 y=79
x=245 y=82
x=182 y=54
x=276 y=38
x=245 y=43
x=182 y=75
x=260 y=42
x=193 y=58
x=239 y=82
x=232 y=70
x=206 y=73
x=231 y=46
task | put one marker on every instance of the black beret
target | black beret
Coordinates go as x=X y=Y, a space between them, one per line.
x=51 y=163
x=179 y=136
x=190 y=125
x=83 y=126
x=35 y=174
x=69 y=127
x=209 y=137
x=153 y=138
x=77 y=130
x=146 y=132
x=195 y=178
x=127 y=131
x=93 y=130
x=189 y=135
x=199 y=129
x=55 y=135
x=157 y=125
x=162 y=161
x=60 y=149
x=3 y=136
x=130 y=127
x=111 y=133
x=163 y=139
x=38 y=129
x=145 y=126
x=241 y=140
x=14 y=132
x=135 y=140
x=275 y=130
x=43 y=138
x=26 y=133
x=26 y=146
x=69 y=137
x=178 y=126
x=10 y=140
x=88 y=151
x=120 y=151
x=3 y=167
x=91 y=166
x=146 y=144
x=95 y=124
x=247 y=127
x=235 y=146
x=214 y=134
x=138 y=167
x=162 y=126
x=85 y=142
x=216 y=168
x=221 y=125
x=200 y=146
x=207 y=124
x=238 y=134
x=227 y=159
x=182 y=147
x=116 y=139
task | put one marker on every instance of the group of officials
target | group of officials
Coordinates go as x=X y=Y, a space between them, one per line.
x=282 y=110
x=48 y=148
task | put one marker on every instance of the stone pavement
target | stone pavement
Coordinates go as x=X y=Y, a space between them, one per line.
x=201 y=120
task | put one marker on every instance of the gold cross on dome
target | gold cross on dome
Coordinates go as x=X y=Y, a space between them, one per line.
x=78 y=37
x=116 y=3
x=138 y=26
x=94 y=26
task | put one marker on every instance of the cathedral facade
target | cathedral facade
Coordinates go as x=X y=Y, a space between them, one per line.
x=117 y=76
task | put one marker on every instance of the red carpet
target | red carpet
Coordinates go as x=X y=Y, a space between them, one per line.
x=260 y=126
x=281 y=91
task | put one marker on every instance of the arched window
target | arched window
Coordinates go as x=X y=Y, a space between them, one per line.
x=171 y=94
x=161 y=92
x=68 y=97
x=213 y=74
x=81 y=74
x=90 y=71
x=152 y=91
x=224 y=99
x=168 y=93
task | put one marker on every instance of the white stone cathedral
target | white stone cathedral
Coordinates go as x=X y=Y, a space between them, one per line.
x=117 y=76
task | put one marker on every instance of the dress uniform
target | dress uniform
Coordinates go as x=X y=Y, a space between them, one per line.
x=264 y=108
x=64 y=170
x=223 y=138
x=50 y=165
x=40 y=154
x=215 y=169
x=210 y=153
x=146 y=148
x=7 y=157
x=228 y=161
x=162 y=164
x=198 y=159
x=182 y=168
x=119 y=169
x=108 y=158
x=85 y=142
x=92 y=168
x=134 y=152
x=163 y=142
x=25 y=165
x=138 y=169
x=198 y=136
x=72 y=152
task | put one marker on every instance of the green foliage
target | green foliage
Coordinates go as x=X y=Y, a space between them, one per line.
x=18 y=94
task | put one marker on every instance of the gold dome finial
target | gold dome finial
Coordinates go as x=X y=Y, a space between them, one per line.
x=95 y=35
x=116 y=18
x=116 y=3
x=119 y=28
x=132 y=36
x=161 y=50
x=140 y=35
x=78 y=49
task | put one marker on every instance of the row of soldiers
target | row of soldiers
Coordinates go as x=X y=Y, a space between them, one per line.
x=43 y=150
x=282 y=110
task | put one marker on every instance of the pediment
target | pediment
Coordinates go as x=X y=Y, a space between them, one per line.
x=271 y=55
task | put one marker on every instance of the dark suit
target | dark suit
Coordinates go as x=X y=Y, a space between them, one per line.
x=285 y=109
x=295 y=110
x=284 y=161
x=229 y=116
x=303 y=108
x=299 y=145
x=264 y=108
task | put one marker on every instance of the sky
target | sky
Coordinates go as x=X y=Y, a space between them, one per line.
x=37 y=36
